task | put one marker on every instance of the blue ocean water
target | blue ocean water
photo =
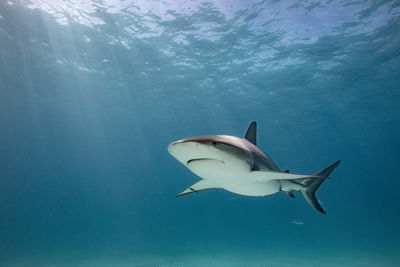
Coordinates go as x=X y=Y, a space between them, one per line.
x=92 y=92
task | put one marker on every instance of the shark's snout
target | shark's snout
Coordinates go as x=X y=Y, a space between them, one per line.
x=181 y=149
x=188 y=149
x=172 y=147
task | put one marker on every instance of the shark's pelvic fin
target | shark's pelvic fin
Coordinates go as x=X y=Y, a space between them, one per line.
x=290 y=194
x=199 y=186
x=251 y=134
x=265 y=176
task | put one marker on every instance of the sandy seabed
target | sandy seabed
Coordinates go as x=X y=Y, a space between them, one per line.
x=229 y=259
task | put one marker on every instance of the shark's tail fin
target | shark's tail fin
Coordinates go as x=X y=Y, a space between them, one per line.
x=311 y=185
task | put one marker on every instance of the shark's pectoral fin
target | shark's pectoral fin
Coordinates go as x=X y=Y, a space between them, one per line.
x=199 y=186
x=265 y=176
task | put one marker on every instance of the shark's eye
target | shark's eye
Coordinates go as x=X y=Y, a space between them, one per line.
x=214 y=144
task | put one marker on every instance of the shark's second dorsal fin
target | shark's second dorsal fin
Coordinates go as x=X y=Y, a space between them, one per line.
x=251 y=134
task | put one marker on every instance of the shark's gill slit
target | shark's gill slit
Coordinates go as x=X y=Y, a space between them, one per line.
x=200 y=159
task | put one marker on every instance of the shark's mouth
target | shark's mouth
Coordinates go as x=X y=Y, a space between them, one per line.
x=200 y=159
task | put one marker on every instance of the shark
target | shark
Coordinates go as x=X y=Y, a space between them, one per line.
x=239 y=166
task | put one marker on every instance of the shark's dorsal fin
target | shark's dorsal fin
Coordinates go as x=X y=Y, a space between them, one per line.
x=251 y=134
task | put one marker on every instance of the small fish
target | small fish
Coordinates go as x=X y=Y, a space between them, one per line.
x=297 y=222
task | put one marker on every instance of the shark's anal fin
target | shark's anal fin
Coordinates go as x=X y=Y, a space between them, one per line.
x=251 y=134
x=288 y=192
x=199 y=186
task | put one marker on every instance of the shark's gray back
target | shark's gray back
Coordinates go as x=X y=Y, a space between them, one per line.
x=261 y=160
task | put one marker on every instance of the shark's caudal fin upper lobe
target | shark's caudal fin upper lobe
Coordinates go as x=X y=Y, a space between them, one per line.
x=311 y=185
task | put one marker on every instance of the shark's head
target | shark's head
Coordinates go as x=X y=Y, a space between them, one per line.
x=227 y=149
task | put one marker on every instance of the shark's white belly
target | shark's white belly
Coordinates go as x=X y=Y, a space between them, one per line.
x=233 y=176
